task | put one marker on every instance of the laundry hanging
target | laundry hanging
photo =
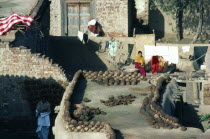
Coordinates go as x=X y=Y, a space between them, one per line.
x=112 y=48
x=7 y=23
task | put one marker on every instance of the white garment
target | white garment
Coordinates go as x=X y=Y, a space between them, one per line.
x=169 y=53
x=173 y=55
x=92 y=22
x=186 y=49
x=80 y=36
x=112 y=48
x=92 y=34
x=43 y=120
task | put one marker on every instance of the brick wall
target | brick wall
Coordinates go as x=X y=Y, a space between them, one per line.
x=16 y=66
x=113 y=16
x=21 y=62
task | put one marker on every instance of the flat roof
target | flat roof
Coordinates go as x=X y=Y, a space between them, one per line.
x=22 y=7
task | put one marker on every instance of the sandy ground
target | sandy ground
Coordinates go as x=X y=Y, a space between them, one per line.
x=126 y=119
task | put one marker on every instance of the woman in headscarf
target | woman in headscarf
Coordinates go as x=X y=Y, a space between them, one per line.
x=140 y=63
x=155 y=64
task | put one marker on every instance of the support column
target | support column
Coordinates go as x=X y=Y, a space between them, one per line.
x=207 y=62
x=196 y=90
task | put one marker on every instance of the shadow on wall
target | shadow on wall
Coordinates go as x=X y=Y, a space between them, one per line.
x=19 y=96
x=37 y=35
x=191 y=118
x=79 y=91
x=131 y=17
x=73 y=55
x=156 y=22
x=199 y=54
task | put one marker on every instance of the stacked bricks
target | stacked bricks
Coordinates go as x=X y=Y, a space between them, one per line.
x=72 y=125
x=20 y=61
x=113 y=16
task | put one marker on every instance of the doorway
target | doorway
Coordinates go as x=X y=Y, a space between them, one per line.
x=78 y=18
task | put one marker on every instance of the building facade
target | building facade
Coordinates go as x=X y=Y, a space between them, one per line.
x=70 y=16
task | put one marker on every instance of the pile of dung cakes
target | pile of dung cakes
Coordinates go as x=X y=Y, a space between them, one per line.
x=87 y=113
x=120 y=100
x=109 y=78
x=81 y=124
x=151 y=108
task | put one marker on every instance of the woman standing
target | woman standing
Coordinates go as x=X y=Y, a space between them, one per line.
x=140 y=63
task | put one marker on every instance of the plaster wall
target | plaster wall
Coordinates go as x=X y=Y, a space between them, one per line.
x=121 y=54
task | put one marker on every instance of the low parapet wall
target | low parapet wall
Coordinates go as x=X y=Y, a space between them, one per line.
x=66 y=127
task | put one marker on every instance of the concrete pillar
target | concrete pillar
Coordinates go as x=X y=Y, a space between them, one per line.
x=207 y=62
x=196 y=90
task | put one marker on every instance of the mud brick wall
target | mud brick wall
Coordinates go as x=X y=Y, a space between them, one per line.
x=206 y=94
x=113 y=16
x=21 y=62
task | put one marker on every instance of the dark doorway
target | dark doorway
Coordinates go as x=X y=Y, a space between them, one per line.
x=199 y=54
x=156 y=23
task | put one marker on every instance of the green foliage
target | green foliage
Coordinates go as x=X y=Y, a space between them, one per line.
x=204 y=117
x=207 y=127
x=171 y=7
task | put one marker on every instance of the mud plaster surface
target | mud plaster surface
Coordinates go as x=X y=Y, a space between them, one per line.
x=127 y=119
